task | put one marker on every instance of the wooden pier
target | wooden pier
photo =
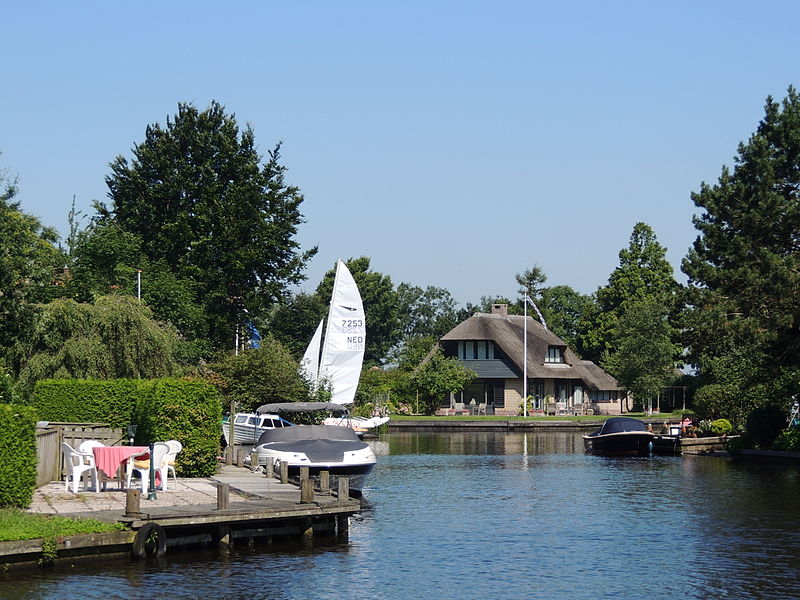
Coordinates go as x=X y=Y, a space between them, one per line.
x=249 y=506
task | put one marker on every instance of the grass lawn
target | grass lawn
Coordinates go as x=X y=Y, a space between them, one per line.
x=16 y=524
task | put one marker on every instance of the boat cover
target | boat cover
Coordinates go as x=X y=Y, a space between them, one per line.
x=620 y=425
x=309 y=432
x=301 y=407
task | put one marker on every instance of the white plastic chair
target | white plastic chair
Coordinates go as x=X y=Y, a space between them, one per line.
x=78 y=463
x=86 y=447
x=174 y=447
x=141 y=465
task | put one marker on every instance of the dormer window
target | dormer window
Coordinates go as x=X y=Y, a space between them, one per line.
x=554 y=355
x=476 y=350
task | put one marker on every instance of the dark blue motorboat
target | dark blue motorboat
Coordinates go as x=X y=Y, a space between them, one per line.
x=620 y=436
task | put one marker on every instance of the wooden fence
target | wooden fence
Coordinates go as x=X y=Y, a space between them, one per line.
x=48 y=445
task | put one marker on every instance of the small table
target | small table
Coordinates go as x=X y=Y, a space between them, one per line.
x=110 y=459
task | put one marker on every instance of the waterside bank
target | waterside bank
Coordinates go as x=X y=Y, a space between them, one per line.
x=189 y=514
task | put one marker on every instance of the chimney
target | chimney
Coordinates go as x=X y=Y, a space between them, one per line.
x=500 y=309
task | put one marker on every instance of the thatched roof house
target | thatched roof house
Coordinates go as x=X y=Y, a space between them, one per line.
x=492 y=345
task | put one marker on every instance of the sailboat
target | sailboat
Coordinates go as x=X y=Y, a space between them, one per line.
x=344 y=341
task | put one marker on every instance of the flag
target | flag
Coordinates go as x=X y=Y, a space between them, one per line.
x=255 y=337
x=538 y=312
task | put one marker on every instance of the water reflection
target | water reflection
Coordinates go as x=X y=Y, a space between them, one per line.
x=518 y=515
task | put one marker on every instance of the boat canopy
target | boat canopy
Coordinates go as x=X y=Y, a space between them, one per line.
x=621 y=424
x=297 y=407
x=309 y=432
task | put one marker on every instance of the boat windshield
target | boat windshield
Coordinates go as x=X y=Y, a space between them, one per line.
x=621 y=424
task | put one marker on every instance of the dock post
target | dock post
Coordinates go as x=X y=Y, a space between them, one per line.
x=269 y=469
x=132 y=507
x=324 y=482
x=284 y=472
x=229 y=455
x=308 y=531
x=344 y=489
x=240 y=458
x=303 y=473
x=343 y=525
x=223 y=490
x=306 y=491
x=223 y=536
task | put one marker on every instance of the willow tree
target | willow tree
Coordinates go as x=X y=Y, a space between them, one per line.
x=115 y=337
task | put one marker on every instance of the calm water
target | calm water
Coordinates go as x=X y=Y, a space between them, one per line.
x=488 y=515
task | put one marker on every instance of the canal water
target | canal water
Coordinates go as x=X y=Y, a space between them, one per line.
x=495 y=515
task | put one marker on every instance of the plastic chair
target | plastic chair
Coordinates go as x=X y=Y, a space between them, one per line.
x=86 y=447
x=140 y=463
x=174 y=447
x=78 y=463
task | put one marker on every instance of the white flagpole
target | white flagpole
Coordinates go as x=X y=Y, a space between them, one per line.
x=525 y=360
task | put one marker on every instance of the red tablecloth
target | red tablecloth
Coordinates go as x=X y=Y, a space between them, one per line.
x=109 y=458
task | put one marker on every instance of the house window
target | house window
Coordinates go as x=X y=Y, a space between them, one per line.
x=536 y=389
x=480 y=350
x=554 y=355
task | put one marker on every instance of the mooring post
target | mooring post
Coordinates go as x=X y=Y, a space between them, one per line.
x=308 y=530
x=324 y=482
x=223 y=536
x=269 y=468
x=240 y=458
x=344 y=489
x=229 y=455
x=132 y=507
x=253 y=460
x=306 y=491
x=342 y=525
x=223 y=490
x=303 y=474
x=284 y=472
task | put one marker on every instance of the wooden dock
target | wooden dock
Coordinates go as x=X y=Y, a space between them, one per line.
x=249 y=506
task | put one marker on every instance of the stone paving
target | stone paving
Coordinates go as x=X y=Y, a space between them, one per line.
x=245 y=486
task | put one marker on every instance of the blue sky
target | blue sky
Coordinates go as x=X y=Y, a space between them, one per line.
x=454 y=143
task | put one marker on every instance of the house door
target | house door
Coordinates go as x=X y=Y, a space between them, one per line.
x=577 y=395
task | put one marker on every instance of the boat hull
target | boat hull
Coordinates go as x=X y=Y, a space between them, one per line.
x=627 y=443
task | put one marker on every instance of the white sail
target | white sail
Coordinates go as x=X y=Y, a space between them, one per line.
x=345 y=338
x=309 y=366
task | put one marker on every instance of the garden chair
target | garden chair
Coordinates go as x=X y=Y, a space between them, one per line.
x=78 y=463
x=140 y=463
x=174 y=448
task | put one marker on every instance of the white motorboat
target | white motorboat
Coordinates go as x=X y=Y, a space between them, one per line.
x=248 y=427
x=320 y=448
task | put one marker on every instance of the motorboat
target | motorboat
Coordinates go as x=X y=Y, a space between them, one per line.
x=248 y=427
x=620 y=436
x=361 y=425
x=320 y=448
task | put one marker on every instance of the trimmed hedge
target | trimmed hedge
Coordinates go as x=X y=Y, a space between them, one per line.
x=17 y=455
x=187 y=410
x=87 y=400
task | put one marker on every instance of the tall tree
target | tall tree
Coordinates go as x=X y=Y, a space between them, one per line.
x=643 y=272
x=744 y=266
x=198 y=197
x=563 y=308
x=644 y=360
x=531 y=281
x=30 y=264
x=426 y=312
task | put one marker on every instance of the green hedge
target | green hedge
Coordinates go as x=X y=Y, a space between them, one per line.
x=17 y=455
x=187 y=410
x=87 y=400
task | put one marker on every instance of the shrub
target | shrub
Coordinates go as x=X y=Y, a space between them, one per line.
x=764 y=424
x=788 y=439
x=721 y=427
x=17 y=455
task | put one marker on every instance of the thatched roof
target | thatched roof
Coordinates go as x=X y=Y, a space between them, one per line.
x=508 y=332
